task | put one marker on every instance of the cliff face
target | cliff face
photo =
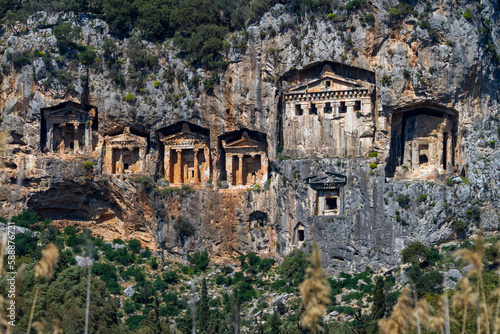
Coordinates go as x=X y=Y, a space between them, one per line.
x=432 y=61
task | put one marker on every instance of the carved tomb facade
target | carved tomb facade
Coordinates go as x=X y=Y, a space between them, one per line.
x=125 y=153
x=186 y=156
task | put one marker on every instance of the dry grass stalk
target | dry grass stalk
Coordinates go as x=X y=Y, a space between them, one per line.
x=476 y=258
x=315 y=292
x=402 y=315
x=45 y=268
x=463 y=298
x=58 y=327
x=3 y=144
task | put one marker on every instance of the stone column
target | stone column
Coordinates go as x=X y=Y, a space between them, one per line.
x=206 y=171
x=178 y=167
x=414 y=154
x=49 y=144
x=305 y=108
x=239 y=175
x=195 y=166
x=142 y=158
x=439 y=151
x=63 y=138
x=119 y=164
x=449 y=151
x=229 y=168
x=166 y=163
x=76 y=142
x=88 y=138
x=264 y=165
x=335 y=108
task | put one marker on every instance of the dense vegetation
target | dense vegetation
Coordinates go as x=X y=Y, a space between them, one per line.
x=197 y=27
x=253 y=293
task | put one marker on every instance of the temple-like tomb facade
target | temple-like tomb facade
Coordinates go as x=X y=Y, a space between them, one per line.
x=246 y=162
x=328 y=110
x=186 y=156
x=69 y=128
x=125 y=153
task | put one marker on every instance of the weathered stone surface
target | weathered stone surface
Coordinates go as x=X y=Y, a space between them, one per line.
x=129 y=292
x=376 y=216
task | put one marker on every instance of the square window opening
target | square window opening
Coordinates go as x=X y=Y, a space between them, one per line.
x=298 y=110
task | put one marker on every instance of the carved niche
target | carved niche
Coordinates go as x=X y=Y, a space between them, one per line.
x=424 y=144
x=329 y=193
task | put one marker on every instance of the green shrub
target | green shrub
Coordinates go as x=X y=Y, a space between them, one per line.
x=422 y=198
x=156 y=84
x=373 y=154
x=26 y=218
x=89 y=166
x=369 y=18
x=87 y=57
x=129 y=97
x=403 y=200
x=134 y=322
x=134 y=245
x=334 y=17
x=373 y=165
x=183 y=228
x=450 y=182
x=200 y=260
x=266 y=264
x=171 y=277
x=353 y=4
x=21 y=60
x=415 y=252
x=294 y=266
x=459 y=227
x=468 y=14
x=386 y=80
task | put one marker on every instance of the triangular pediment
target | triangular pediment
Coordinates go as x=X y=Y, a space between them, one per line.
x=244 y=143
x=328 y=81
x=183 y=136
x=66 y=112
x=241 y=143
x=128 y=138
x=327 y=179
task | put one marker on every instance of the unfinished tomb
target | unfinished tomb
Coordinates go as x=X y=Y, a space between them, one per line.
x=125 y=152
x=246 y=162
x=424 y=143
x=69 y=128
x=186 y=154
x=328 y=110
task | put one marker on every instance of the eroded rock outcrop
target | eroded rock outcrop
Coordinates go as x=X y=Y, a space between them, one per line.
x=422 y=95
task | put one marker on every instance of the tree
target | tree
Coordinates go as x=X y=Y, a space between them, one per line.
x=294 y=266
x=204 y=309
x=273 y=326
x=206 y=43
x=234 y=326
x=183 y=228
x=119 y=14
x=134 y=245
x=378 y=306
x=415 y=252
x=154 y=18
